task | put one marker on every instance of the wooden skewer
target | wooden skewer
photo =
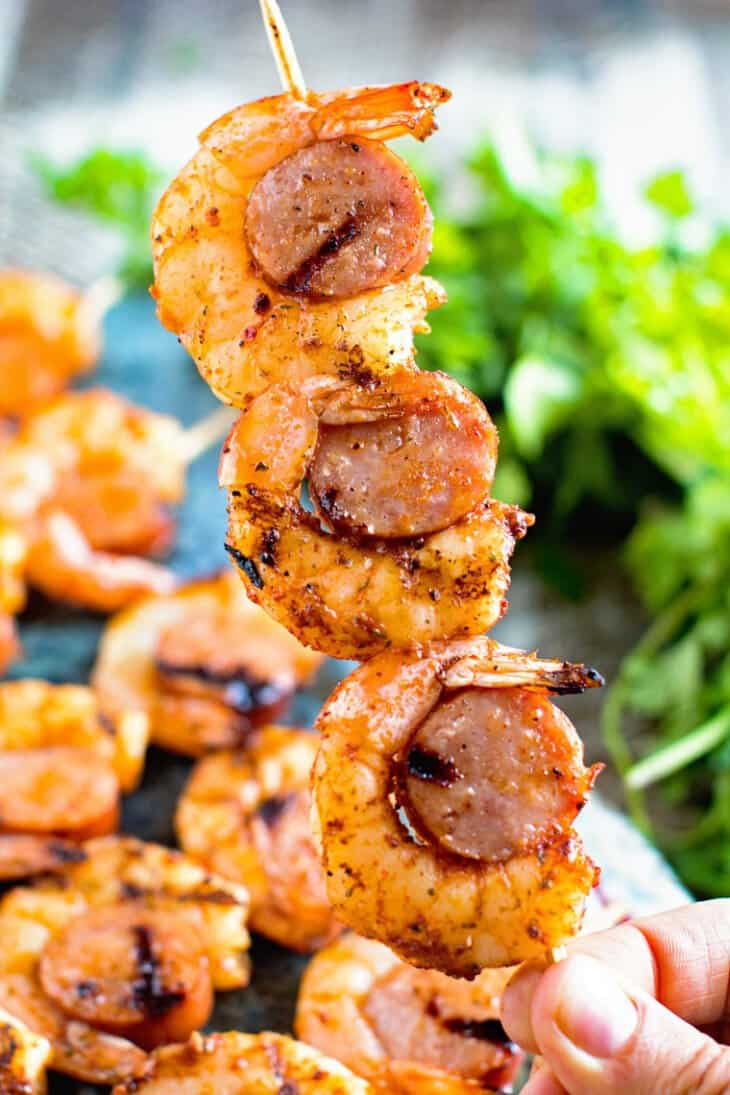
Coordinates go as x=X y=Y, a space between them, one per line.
x=556 y=954
x=283 y=49
x=205 y=433
x=101 y=295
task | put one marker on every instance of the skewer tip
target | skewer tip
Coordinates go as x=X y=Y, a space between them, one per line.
x=198 y=438
x=556 y=954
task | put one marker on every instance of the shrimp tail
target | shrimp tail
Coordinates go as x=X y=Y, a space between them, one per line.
x=382 y=113
x=505 y=668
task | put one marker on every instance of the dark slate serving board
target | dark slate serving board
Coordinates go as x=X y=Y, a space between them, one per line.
x=145 y=363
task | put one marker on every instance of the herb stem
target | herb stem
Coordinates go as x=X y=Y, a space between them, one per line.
x=678 y=754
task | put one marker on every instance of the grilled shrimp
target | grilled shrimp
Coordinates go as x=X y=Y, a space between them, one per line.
x=23 y=1058
x=63 y=765
x=26 y=854
x=444 y=789
x=246 y=815
x=121 y=950
x=290 y=244
x=415 y=549
x=35 y=714
x=116 y=468
x=242 y=1064
x=48 y=334
x=204 y=663
x=62 y=564
x=407 y=1031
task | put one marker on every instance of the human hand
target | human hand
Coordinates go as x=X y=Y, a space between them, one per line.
x=641 y=1009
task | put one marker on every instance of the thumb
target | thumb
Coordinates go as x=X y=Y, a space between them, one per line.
x=599 y=1038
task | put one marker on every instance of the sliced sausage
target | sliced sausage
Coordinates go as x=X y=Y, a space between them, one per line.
x=138 y=973
x=22 y=855
x=411 y=474
x=338 y=218
x=209 y=657
x=424 y=1017
x=494 y=772
x=65 y=790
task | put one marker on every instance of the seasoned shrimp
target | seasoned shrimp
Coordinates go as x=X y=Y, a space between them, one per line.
x=49 y=333
x=117 y=468
x=120 y=950
x=35 y=714
x=75 y=491
x=204 y=663
x=62 y=564
x=407 y=1031
x=62 y=766
x=246 y=815
x=23 y=1058
x=242 y=1064
x=444 y=792
x=290 y=244
x=402 y=475
x=26 y=854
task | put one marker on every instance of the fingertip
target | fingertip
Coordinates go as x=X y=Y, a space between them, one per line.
x=543 y=1082
x=581 y=999
x=517 y=1005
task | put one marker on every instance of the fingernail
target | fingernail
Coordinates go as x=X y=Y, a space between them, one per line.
x=593 y=1011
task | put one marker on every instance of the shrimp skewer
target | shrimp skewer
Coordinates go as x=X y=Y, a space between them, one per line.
x=119 y=951
x=282 y=48
x=445 y=813
x=407 y=1031
x=412 y=549
x=326 y=284
x=246 y=815
x=204 y=664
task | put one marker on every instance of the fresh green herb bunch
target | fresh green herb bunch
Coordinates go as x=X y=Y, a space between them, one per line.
x=118 y=187
x=609 y=366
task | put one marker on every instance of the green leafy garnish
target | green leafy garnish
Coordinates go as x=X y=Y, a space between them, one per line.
x=118 y=187
x=608 y=367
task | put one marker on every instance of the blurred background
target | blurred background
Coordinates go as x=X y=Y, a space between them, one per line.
x=580 y=180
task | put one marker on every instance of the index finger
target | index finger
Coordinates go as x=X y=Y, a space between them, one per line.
x=682 y=958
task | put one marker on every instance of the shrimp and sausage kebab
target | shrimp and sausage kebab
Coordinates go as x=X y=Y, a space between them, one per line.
x=118 y=953
x=287 y=259
x=87 y=489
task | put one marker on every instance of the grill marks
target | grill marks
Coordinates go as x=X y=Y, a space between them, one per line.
x=141 y=974
x=428 y=765
x=300 y=281
x=149 y=994
x=337 y=218
x=246 y=565
x=242 y=692
x=272 y=809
